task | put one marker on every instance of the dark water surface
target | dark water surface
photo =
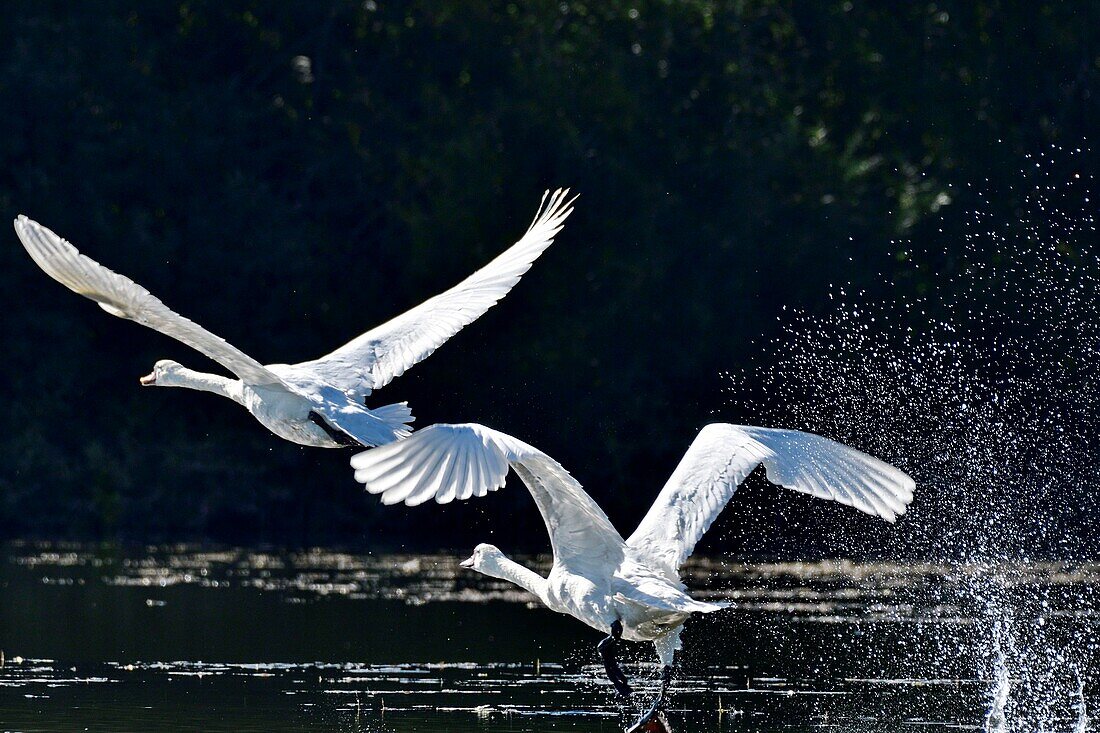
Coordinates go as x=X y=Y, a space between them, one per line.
x=181 y=639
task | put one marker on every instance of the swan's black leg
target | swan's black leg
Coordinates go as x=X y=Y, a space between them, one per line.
x=607 y=649
x=658 y=704
x=666 y=678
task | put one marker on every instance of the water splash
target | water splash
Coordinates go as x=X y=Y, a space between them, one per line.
x=995 y=718
x=1082 y=724
x=977 y=372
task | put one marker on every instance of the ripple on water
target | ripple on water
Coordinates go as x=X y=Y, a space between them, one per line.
x=827 y=644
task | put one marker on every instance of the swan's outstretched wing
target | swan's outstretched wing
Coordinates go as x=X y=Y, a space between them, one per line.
x=723 y=455
x=120 y=296
x=375 y=358
x=448 y=462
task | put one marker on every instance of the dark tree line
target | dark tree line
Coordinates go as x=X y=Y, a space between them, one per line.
x=289 y=174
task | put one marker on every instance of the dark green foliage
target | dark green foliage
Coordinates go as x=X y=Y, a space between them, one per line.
x=289 y=174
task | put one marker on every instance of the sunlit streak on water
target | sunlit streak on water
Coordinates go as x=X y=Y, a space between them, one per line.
x=834 y=644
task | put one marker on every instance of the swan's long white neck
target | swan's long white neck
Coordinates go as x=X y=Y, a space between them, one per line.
x=510 y=570
x=204 y=382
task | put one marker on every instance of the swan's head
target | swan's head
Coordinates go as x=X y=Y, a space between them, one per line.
x=486 y=559
x=165 y=374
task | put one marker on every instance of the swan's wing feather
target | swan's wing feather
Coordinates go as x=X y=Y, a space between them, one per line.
x=723 y=455
x=447 y=462
x=120 y=296
x=375 y=358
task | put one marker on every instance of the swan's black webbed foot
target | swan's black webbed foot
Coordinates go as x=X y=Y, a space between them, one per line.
x=338 y=436
x=607 y=649
x=653 y=720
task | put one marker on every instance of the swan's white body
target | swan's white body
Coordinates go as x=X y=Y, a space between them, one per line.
x=597 y=576
x=321 y=402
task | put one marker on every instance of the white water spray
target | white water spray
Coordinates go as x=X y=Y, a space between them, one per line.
x=1002 y=686
x=985 y=386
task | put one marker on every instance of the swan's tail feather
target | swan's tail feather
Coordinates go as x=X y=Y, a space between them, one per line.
x=704 y=606
x=709 y=607
x=397 y=415
x=684 y=604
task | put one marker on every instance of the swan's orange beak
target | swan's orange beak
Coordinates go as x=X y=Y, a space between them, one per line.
x=467 y=563
x=148 y=380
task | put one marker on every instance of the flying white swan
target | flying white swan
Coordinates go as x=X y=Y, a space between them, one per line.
x=320 y=402
x=630 y=589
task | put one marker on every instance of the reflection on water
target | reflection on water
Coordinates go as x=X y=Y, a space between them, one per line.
x=181 y=639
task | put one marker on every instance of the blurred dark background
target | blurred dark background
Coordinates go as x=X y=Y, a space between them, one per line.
x=291 y=174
